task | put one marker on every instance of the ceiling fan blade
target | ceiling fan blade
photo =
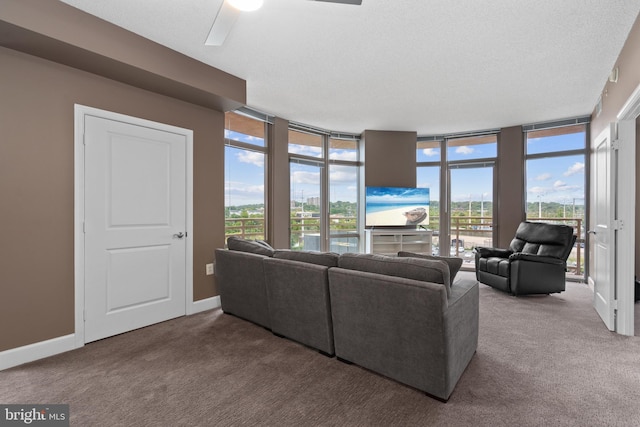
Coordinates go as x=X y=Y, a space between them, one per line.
x=222 y=24
x=356 y=2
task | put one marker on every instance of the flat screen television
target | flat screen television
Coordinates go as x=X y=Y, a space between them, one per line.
x=396 y=207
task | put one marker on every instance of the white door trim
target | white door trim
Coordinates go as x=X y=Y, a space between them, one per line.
x=80 y=112
x=627 y=213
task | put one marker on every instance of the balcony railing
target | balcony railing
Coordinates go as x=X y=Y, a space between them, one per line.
x=466 y=233
x=246 y=228
x=469 y=232
x=253 y=228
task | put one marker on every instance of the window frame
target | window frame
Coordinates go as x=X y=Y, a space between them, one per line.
x=325 y=163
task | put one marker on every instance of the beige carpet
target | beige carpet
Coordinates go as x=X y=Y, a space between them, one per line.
x=541 y=361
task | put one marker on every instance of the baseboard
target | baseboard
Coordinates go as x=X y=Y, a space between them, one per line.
x=29 y=353
x=204 y=305
x=40 y=350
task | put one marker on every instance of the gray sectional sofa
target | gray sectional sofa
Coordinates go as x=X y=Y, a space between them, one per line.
x=408 y=317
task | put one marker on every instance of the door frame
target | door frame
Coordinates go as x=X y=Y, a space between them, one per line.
x=80 y=111
x=625 y=262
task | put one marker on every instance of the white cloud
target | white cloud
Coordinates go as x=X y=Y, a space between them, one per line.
x=538 y=190
x=242 y=188
x=239 y=193
x=343 y=174
x=305 y=150
x=563 y=186
x=302 y=177
x=251 y=157
x=430 y=152
x=344 y=155
x=577 y=167
x=464 y=150
x=543 y=177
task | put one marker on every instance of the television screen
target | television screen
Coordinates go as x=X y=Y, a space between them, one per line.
x=396 y=206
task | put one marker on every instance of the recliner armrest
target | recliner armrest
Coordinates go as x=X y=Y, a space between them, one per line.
x=485 y=252
x=535 y=258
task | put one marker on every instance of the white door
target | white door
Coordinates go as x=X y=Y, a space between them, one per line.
x=603 y=234
x=135 y=226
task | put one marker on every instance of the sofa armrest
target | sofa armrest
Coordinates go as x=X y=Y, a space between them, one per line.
x=461 y=320
x=519 y=256
x=240 y=280
x=485 y=252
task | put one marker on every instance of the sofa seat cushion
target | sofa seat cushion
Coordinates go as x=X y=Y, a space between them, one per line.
x=495 y=265
x=454 y=263
x=426 y=270
x=252 y=246
x=327 y=259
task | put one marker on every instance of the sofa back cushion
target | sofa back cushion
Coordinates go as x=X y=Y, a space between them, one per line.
x=453 y=262
x=543 y=239
x=426 y=270
x=253 y=246
x=328 y=259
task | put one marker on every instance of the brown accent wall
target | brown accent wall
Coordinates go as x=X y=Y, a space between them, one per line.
x=56 y=31
x=510 y=185
x=37 y=187
x=614 y=96
x=279 y=194
x=389 y=158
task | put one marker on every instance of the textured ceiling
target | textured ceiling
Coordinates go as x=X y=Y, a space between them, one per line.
x=431 y=66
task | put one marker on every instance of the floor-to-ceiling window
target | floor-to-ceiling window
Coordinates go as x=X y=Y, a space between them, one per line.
x=324 y=190
x=244 y=176
x=556 y=180
x=463 y=218
x=471 y=168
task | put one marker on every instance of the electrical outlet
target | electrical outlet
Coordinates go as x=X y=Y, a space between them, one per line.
x=209 y=269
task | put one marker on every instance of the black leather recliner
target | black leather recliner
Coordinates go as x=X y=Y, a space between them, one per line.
x=535 y=262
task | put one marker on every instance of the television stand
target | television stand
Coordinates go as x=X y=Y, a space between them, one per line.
x=389 y=241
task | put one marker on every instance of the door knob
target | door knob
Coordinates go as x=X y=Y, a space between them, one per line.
x=179 y=235
x=591 y=232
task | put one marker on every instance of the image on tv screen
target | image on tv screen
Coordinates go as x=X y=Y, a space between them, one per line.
x=396 y=206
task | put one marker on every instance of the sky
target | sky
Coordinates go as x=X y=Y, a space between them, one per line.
x=552 y=179
x=559 y=179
